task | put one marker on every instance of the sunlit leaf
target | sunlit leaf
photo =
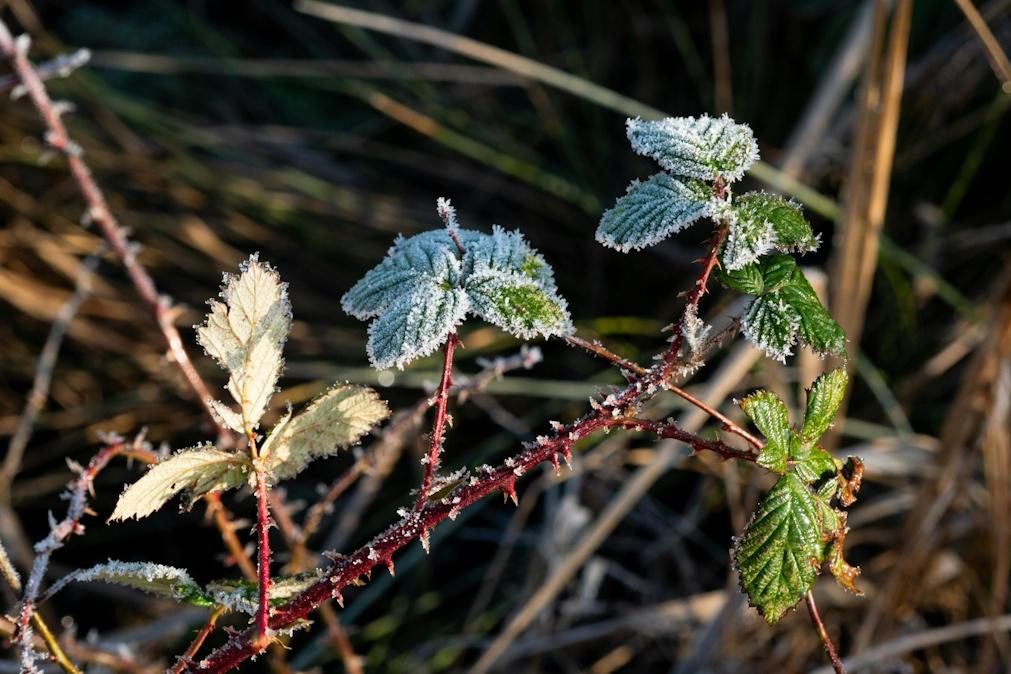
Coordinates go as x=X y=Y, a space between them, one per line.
x=823 y=401
x=770 y=416
x=779 y=556
x=245 y=334
x=196 y=471
x=336 y=419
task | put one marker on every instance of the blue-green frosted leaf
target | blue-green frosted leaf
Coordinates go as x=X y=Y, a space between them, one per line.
x=653 y=210
x=703 y=147
x=780 y=554
x=504 y=252
x=415 y=324
x=423 y=258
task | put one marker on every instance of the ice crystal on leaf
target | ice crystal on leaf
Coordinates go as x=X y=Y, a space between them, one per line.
x=761 y=223
x=652 y=210
x=425 y=287
x=156 y=579
x=698 y=147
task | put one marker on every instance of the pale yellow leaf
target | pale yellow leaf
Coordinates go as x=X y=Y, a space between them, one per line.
x=336 y=419
x=245 y=334
x=197 y=471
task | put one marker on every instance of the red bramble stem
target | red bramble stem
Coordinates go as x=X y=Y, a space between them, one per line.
x=263 y=559
x=439 y=424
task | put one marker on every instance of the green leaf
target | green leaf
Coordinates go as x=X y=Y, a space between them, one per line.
x=762 y=223
x=156 y=579
x=748 y=279
x=817 y=327
x=245 y=334
x=336 y=419
x=703 y=147
x=771 y=417
x=810 y=462
x=652 y=210
x=779 y=556
x=823 y=401
x=518 y=306
x=197 y=471
x=416 y=324
x=242 y=596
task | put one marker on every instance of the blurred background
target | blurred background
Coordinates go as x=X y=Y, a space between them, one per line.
x=218 y=129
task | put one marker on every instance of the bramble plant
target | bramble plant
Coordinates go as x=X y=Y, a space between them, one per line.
x=417 y=298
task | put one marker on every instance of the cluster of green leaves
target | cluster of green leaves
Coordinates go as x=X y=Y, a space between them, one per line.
x=428 y=283
x=245 y=333
x=795 y=528
x=702 y=157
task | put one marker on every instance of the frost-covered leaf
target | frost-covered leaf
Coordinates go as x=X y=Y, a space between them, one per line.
x=416 y=324
x=817 y=327
x=196 y=471
x=336 y=419
x=518 y=306
x=762 y=223
x=242 y=595
x=823 y=402
x=652 y=210
x=504 y=252
x=771 y=325
x=423 y=259
x=770 y=416
x=156 y=579
x=698 y=147
x=809 y=462
x=779 y=556
x=245 y=334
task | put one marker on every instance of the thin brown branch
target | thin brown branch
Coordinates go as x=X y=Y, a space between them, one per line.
x=826 y=640
x=44 y=370
x=198 y=640
x=223 y=521
x=16 y=51
x=601 y=351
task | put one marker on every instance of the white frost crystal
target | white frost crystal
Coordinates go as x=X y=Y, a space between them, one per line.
x=698 y=147
x=425 y=287
x=652 y=210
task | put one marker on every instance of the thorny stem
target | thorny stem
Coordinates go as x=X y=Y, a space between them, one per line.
x=602 y=351
x=15 y=50
x=263 y=557
x=826 y=640
x=198 y=640
x=694 y=297
x=439 y=423
x=346 y=571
